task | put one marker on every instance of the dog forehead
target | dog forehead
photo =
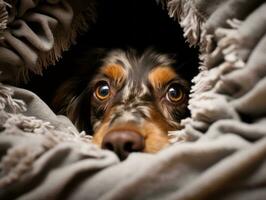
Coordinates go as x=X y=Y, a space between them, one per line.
x=138 y=70
x=134 y=62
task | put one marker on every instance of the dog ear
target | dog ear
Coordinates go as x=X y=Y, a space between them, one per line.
x=72 y=99
x=65 y=95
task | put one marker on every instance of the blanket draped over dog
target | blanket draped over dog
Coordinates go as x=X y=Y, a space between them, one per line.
x=220 y=153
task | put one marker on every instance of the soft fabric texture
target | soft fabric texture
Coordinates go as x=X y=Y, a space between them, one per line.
x=220 y=153
x=37 y=32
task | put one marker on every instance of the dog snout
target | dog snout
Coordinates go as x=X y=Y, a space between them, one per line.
x=123 y=143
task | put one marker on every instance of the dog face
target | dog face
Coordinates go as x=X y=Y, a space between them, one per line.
x=134 y=100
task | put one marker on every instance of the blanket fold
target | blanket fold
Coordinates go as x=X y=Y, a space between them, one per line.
x=37 y=32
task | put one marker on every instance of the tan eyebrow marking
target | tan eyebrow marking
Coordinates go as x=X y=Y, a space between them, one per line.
x=115 y=72
x=161 y=75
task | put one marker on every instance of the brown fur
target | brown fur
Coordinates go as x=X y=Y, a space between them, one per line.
x=115 y=72
x=161 y=75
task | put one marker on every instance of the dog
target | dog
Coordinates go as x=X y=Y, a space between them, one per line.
x=129 y=100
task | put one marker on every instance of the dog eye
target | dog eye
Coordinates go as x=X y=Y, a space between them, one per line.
x=174 y=93
x=102 y=91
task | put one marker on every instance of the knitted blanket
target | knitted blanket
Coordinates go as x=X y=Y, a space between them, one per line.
x=220 y=153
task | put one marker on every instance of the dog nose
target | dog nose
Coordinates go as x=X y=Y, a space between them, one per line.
x=123 y=143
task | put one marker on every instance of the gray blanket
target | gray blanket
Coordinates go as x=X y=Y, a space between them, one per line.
x=220 y=153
